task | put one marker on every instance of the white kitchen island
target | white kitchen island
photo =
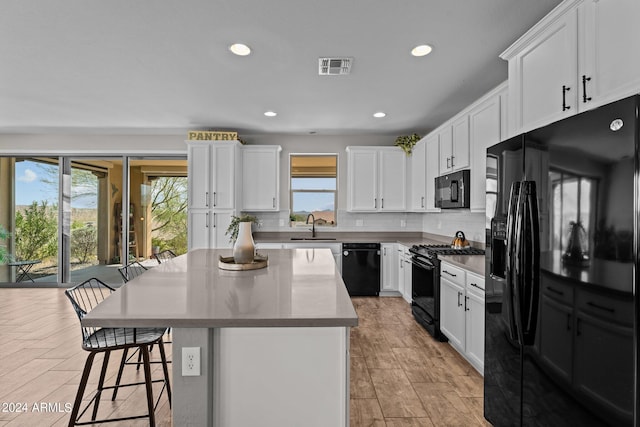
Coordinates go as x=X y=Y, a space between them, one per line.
x=274 y=342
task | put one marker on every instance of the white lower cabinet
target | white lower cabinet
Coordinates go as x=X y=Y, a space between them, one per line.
x=389 y=268
x=404 y=272
x=462 y=312
x=207 y=228
x=474 y=317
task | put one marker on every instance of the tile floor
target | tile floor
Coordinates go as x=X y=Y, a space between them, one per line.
x=400 y=376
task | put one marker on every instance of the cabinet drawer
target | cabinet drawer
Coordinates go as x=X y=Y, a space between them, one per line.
x=475 y=282
x=557 y=290
x=612 y=308
x=453 y=274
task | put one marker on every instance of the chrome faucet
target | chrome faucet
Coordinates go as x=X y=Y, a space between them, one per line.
x=313 y=224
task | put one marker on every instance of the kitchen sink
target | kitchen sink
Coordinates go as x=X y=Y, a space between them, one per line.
x=313 y=238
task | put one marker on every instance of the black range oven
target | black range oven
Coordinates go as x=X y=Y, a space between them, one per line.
x=425 y=284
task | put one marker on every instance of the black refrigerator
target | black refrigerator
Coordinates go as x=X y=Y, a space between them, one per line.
x=562 y=251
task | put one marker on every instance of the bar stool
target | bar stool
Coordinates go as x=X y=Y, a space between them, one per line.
x=131 y=270
x=85 y=297
x=165 y=255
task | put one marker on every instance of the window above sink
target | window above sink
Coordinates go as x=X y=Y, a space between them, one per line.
x=313 y=194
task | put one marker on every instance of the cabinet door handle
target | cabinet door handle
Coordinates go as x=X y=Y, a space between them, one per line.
x=206 y=223
x=375 y=203
x=452 y=157
x=382 y=203
x=601 y=307
x=215 y=200
x=459 y=303
x=565 y=89
x=448 y=162
x=585 y=98
x=568 y=322
x=206 y=199
x=214 y=220
x=476 y=286
x=274 y=202
x=422 y=201
x=384 y=251
x=450 y=274
x=466 y=306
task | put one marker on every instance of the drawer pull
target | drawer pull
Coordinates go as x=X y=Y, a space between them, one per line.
x=476 y=286
x=450 y=274
x=555 y=291
x=601 y=307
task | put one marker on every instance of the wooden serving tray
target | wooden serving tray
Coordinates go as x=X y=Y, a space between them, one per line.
x=227 y=263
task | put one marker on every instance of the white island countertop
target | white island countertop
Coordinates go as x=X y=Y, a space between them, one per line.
x=299 y=288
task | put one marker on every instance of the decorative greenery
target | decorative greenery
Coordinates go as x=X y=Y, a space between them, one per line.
x=84 y=243
x=36 y=231
x=234 y=226
x=5 y=257
x=406 y=142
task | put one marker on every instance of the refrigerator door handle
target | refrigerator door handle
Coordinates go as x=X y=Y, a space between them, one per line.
x=508 y=297
x=531 y=264
x=518 y=263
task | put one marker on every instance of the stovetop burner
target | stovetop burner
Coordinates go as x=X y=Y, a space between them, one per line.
x=435 y=250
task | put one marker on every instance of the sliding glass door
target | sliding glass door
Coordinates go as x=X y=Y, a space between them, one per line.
x=66 y=217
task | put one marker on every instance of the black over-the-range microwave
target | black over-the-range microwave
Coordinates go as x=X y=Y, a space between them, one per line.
x=452 y=190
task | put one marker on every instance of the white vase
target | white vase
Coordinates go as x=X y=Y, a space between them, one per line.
x=244 y=248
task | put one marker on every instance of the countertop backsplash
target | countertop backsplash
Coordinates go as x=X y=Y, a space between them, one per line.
x=444 y=223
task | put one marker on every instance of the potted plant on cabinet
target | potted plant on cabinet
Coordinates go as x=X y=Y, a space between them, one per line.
x=406 y=142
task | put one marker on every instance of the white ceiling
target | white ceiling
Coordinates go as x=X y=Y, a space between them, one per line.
x=163 y=67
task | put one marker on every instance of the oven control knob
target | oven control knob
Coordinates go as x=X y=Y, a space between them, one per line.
x=345 y=253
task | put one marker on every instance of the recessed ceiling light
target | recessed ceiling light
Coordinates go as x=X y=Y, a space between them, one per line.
x=270 y=113
x=240 y=49
x=422 y=50
x=379 y=114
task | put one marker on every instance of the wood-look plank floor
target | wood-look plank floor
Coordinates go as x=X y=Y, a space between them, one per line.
x=400 y=376
x=41 y=362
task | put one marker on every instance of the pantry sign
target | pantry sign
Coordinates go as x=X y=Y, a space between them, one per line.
x=211 y=135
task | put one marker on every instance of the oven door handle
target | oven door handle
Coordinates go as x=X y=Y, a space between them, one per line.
x=422 y=264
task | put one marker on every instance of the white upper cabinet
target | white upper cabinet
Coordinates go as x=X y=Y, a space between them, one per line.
x=223 y=176
x=213 y=172
x=261 y=178
x=198 y=169
x=543 y=73
x=376 y=179
x=582 y=55
x=454 y=145
x=362 y=188
x=484 y=131
x=418 y=181
x=393 y=179
x=609 y=58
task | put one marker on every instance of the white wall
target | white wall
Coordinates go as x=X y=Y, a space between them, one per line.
x=447 y=222
x=11 y=144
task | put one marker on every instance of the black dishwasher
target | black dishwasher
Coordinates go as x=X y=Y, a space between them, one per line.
x=361 y=268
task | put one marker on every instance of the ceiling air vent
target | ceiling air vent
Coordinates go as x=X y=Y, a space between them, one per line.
x=334 y=66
